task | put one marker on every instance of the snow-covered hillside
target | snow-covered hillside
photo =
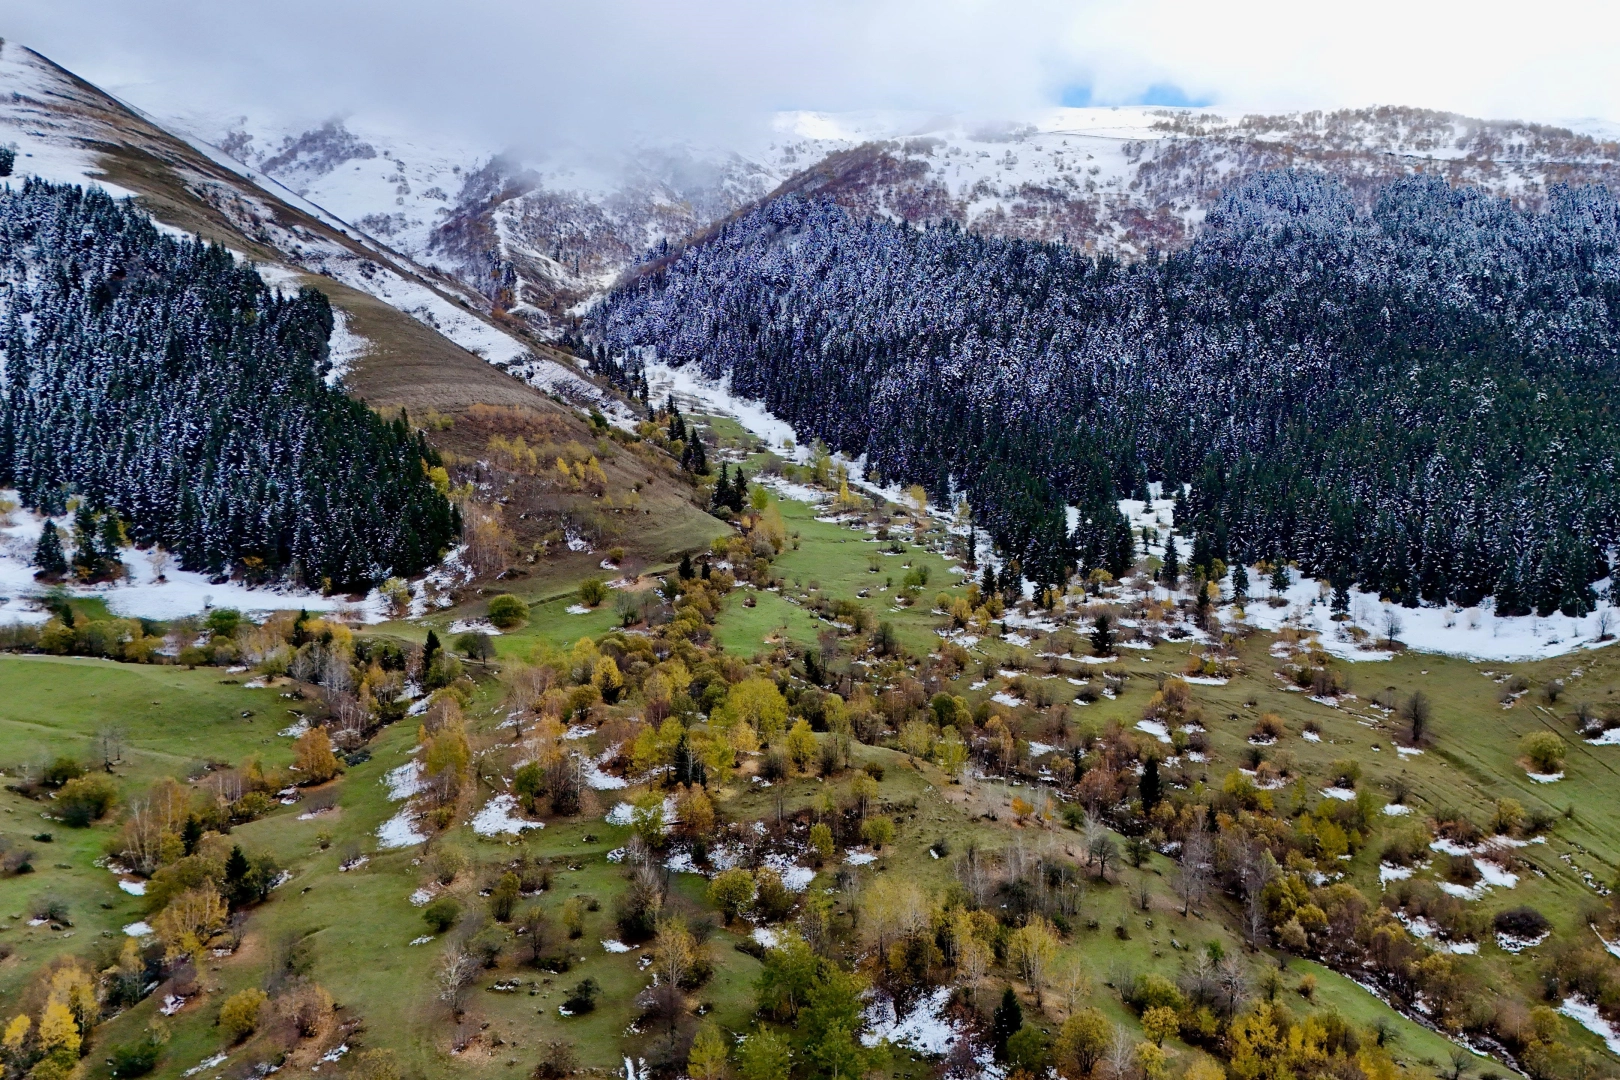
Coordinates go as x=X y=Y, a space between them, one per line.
x=536 y=237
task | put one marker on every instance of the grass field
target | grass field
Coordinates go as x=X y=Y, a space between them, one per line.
x=359 y=925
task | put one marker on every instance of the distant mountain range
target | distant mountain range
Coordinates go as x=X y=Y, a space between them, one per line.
x=536 y=239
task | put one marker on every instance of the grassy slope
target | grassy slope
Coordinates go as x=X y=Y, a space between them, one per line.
x=362 y=921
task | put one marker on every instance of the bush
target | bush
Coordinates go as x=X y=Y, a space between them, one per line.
x=732 y=891
x=137 y=1058
x=1544 y=750
x=507 y=611
x=877 y=831
x=239 y=1016
x=1523 y=921
x=582 y=999
x=592 y=591
x=86 y=799
x=772 y=900
x=60 y=772
x=441 y=914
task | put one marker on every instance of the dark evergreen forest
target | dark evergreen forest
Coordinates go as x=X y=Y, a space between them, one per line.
x=157 y=379
x=1416 y=396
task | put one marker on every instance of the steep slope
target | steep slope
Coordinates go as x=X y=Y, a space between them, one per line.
x=407 y=336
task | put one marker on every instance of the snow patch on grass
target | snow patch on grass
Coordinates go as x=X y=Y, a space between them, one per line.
x=499 y=816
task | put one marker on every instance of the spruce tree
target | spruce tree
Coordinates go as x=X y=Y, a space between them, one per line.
x=684 y=571
x=1004 y=1024
x=987 y=583
x=48 y=555
x=1240 y=583
x=1279 y=577
x=1171 y=571
x=1150 y=787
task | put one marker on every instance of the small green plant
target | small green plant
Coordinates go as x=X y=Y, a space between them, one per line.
x=441 y=914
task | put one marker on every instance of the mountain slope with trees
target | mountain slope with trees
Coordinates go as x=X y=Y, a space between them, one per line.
x=1410 y=392
x=159 y=379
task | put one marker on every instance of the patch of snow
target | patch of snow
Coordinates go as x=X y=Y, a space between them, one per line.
x=1205 y=680
x=766 y=936
x=859 y=858
x=206 y=1063
x=296 y=731
x=499 y=816
x=399 y=831
x=1491 y=874
x=1341 y=793
x=404 y=781
x=1586 y=1014
x=481 y=626
x=420 y=897
x=621 y=814
x=1388 y=873
x=924 y=1029
x=578 y=609
x=1610 y=737
x=1005 y=698
x=613 y=945
x=1155 y=729
x=1462 y=892
x=1311 y=736
x=134 y=888
x=1546 y=778
x=1447 y=846
x=1509 y=943
x=1396 y=809
x=138 y=929
x=423 y=940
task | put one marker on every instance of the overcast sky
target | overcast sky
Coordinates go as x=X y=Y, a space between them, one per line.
x=541 y=72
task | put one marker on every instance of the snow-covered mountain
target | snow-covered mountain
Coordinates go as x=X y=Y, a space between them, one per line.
x=537 y=237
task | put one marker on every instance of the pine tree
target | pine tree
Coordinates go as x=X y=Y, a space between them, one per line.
x=1150 y=787
x=48 y=553
x=1171 y=571
x=722 y=491
x=1240 y=583
x=987 y=583
x=1279 y=577
x=1341 y=598
x=700 y=456
x=429 y=650
x=1102 y=635
x=684 y=571
x=1005 y=1022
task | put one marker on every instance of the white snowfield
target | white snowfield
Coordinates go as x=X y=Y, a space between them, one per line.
x=182 y=592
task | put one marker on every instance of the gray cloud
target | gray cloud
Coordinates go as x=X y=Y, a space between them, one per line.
x=541 y=74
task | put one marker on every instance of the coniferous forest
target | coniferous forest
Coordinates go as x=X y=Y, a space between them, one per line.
x=1414 y=394
x=157 y=379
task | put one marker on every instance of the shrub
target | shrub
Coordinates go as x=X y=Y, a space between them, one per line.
x=1523 y=921
x=60 y=772
x=504 y=897
x=582 y=999
x=772 y=900
x=1544 y=750
x=507 y=611
x=138 y=1058
x=732 y=891
x=239 y=1016
x=592 y=591
x=85 y=799
x=1345 y=773
x=877 y=831
x=441 y=914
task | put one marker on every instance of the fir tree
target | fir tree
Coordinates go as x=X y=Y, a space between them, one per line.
x=48 y=553
x=1102 y=635
x=684 y=571
x=1240 y=583
x=430 y=649
x=1171 y=571
x=1150 y=787
x=1279 y=577
x=1005 y=1022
